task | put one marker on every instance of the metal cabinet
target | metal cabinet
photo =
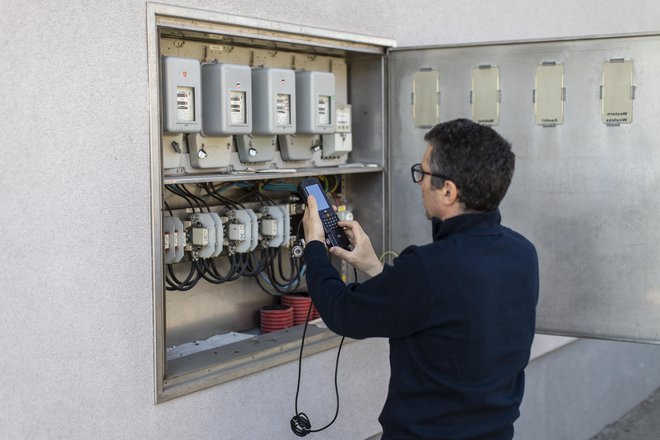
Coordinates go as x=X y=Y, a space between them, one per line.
x=584 y=191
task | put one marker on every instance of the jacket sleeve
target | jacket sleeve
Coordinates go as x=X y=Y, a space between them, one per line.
x=395 y=303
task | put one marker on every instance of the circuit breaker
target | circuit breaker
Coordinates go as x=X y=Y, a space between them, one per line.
x=182 y=96
x=341 y=142
x=227 y=104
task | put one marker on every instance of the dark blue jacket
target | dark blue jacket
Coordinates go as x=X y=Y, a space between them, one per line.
x=460 y=315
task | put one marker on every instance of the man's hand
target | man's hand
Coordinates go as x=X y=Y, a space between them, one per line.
x=312 y=222
x=362 y=257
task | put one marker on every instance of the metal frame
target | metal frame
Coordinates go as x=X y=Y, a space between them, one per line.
x=173 y=17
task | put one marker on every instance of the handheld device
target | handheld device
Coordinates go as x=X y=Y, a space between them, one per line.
x=334 y=235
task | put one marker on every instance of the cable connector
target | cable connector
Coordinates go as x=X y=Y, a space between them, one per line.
x=298 y=250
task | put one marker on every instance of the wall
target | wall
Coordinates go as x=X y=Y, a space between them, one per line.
x=76 y=316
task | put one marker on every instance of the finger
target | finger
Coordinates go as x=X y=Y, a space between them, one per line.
x=312 y=207
x=340 y=253
x=348 y=224
x=334 y=207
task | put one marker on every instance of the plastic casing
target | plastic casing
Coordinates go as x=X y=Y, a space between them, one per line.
x=310 y=86
x=219 y=81
x=181 y=72
x=267 y=84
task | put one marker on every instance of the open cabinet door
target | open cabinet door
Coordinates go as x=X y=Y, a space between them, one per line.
x=583 y=117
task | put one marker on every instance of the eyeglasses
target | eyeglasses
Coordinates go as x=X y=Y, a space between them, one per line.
x=418 y=173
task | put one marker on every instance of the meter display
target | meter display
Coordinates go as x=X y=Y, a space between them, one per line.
x=315 y=102
x=323 y=111
x=181 y=95
x=237 y=109
x=283 y=115
x=227 y=99
x=273 y=98
x=185 y=104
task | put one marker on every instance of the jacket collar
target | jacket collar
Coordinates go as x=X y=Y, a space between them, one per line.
x=453 y=225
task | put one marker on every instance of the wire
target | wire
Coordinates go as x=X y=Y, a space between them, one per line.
x=174 y=191
x=300 y=423
x=385 y=254
x=195 y=197
x=336 y=185
x=168 y=208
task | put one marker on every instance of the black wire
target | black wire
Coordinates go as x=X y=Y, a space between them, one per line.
x=300 y=423
x=202 y=268
x=213 y=192
x=236 y=268
x=168 y=208
x=195 y=197
x=180 y=195
x=188 y=283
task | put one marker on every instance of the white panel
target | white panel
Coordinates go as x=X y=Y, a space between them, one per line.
x=486 y=95
x=617 y=92
x=426 y=98
x=549 y=94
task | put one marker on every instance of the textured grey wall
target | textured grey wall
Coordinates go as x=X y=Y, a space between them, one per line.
x=76 y=314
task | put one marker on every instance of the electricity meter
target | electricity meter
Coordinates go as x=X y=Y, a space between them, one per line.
x=181 y=95
x=315 y=102
x=227 y=104
x=341 y=142
x=273 y=98
x=273 y=104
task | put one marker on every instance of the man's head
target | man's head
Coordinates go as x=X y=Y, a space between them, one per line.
x=477 y=165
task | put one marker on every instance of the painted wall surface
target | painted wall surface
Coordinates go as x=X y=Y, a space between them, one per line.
x=76 y=314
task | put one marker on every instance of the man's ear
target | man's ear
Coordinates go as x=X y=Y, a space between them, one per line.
x=450 y=192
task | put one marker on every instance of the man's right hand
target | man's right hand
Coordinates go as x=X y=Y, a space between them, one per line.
x=362 y=257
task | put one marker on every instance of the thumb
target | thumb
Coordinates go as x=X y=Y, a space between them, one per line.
x=311 y=203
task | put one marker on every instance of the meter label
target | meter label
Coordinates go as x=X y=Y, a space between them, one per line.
x=185 y=104
x=237 y=110
x=283 y=109
x=324 y=110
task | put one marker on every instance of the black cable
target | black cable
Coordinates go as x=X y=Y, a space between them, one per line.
x=168 y=208
x=169 y=188
x=195 y=197
x=186 y=284
x=300 y=423
x=213 y=192
x=202 y=268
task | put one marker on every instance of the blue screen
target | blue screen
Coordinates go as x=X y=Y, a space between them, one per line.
x=315 y=190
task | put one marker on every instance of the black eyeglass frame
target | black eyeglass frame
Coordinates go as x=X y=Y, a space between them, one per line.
x=417 y=168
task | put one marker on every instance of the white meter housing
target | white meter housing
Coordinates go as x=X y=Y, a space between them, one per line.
x=315 y=102
x=273 y=101
x=227 y=99
x=341 y=142
x=182 y=97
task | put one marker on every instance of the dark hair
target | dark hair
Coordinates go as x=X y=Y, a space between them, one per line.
x=473 y=156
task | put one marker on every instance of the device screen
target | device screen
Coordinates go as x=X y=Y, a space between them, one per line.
x=315 y=190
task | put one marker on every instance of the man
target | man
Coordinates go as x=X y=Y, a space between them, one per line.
x=459 y=312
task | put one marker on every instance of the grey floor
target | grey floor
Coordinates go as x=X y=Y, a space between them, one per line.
x=641 y=423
